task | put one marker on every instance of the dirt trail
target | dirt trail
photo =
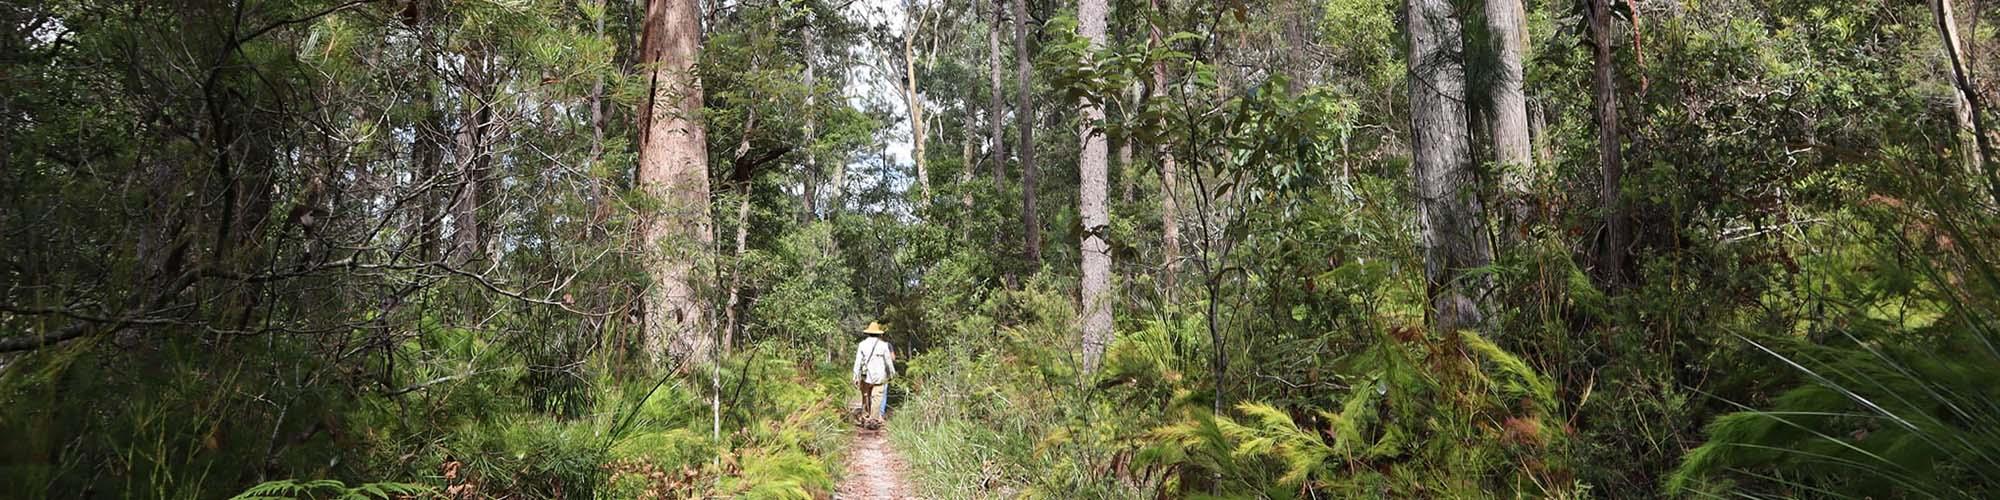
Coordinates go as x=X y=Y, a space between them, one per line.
x=874 y=471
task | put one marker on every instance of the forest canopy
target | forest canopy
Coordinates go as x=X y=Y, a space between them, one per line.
x=1122 y=249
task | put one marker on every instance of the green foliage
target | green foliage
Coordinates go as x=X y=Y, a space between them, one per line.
x=1891 y=397
x=290 y=489
x=249 y=213
x=1430 y=418
x=1000 y=413
x=1885 y=422
x=806 y=297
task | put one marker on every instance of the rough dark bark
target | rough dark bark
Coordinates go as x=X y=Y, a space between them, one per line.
x=466 y=232
x=429 y=153
x=1024 y=116
x=600 y=198
x=1297 y=33
x=1604 y=104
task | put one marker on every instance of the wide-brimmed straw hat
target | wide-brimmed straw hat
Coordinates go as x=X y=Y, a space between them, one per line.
x=873 y=328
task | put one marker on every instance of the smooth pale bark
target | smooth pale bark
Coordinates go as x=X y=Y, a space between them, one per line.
x=1024 y=116
x=1604 y=103
x=809 y=186
x=673 y=170
x=996 y=112
x=1513 y=146
x=913 y=100
x=1170 y=207
x=1092 y=172
x=968 y=163
x=1538 y=126
x=1452 y=232
x=1968 y=139
x=1972 y=112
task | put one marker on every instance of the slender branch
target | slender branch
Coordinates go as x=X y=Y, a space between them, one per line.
x=310 y=18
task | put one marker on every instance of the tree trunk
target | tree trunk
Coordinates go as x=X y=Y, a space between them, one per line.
x=1538 y=128
x=731 y=324
x=1513 y=149
x=1024 y=116
x=743 y=184
x=471 y=158
x=1972 y=110
x=1092 y=171
x=673 y=169
x=1128 y=174
x=968 y=164
x=1453 y=236
x=600 y=197
x=914 y=100
x=430 y=157
x=1604 y=102
x=996 y=125
x=1296 y=30
x=1170 y=207
x=809 y=186
x=996 y=112
x=1968 y=139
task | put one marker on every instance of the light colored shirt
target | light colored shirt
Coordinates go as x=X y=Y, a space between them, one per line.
x=874 y=361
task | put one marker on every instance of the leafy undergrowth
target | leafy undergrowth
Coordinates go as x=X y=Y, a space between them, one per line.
x=781 y=437
x=471 y=434
x=1002 y=417
x=787 y=440
x=1438 y=416
x=327 y=488
x=1417 y=415
x=1891 y=392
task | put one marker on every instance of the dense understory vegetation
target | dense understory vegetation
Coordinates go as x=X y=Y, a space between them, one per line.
x=329 y=249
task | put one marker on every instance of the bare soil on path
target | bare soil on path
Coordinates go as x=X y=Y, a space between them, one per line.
x=874 y=470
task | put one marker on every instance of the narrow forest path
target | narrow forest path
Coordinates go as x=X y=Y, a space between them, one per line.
x=874 y=470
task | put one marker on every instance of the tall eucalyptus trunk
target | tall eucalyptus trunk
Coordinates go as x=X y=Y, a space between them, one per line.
x=1452 y=231
x=996 y=108
x=1604 y=104
x=809 y=186
x=1971 y=112
x=1024 y=116
x=673 y=170
x=1513 y=147
x=913 y=98
x=1170 y=208
x=1128 y=173
x=471 y=153
x=1092 y=172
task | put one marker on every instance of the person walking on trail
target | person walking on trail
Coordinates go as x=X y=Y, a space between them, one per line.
x=874 y=365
